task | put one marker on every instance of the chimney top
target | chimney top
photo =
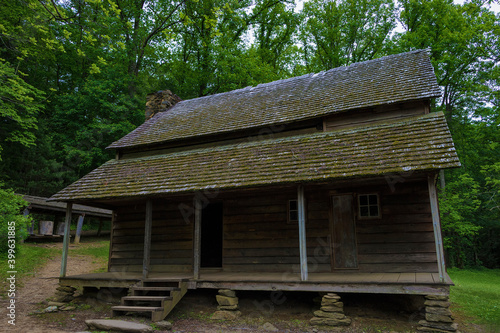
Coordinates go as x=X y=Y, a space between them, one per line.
x=160 y=101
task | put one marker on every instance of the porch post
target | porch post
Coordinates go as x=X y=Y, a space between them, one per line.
x=436 y=224
x=64 y=260
x=147 y=239
x=197 y=238
x=302 y=232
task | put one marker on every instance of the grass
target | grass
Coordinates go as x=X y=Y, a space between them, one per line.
x=477 y=294
x=96 y=248
x=28 y=258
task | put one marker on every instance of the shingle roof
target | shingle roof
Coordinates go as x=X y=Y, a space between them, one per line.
x=416 y=144
x=391 y=79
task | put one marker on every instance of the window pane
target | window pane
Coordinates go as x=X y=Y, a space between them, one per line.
x=363 y=200
x=293 y=204
x=373 y=210
x=373 y=199
x=363 y=211
x=294 y=216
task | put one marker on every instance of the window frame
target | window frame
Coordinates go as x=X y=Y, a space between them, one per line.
x=368 y=205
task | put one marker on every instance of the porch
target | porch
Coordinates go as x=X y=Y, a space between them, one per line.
x=341 y=282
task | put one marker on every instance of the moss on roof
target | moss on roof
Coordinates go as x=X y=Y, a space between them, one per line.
x=391 y=79
x=416 y=144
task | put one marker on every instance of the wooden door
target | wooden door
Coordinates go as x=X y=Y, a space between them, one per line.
x=344 y=247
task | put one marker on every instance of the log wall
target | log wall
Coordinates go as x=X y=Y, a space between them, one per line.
x=257 y=236
x=383 y=113
x=171 y=238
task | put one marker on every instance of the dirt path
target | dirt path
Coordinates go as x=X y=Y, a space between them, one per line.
x=37 y=289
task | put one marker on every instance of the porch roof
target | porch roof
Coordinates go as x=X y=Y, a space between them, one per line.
x=391 y=79
x=415 y=144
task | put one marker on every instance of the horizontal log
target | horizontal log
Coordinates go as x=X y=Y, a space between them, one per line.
x=413 y=237
x=399 y=268
x=154 y=254
x=397 y=258
x=261 y=260
x=245 y=210
x=272 y=235
x=255 y=218
x=284 y=268
x=406 y=209
x=177 y=245
x=376 y=228
x=397 y=248
x=138 y=261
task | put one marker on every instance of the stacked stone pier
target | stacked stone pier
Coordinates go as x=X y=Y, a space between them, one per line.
x=331 y=312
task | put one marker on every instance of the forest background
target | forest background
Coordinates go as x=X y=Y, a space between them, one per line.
x=74 y=75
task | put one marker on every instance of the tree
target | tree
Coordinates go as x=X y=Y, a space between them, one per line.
x=342 y=32
x=12 y=223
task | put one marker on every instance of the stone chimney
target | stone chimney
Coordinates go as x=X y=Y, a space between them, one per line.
x=160 y=101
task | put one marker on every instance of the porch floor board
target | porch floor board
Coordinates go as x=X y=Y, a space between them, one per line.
x=338 y=281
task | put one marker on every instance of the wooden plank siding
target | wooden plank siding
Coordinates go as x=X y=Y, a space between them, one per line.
x=382 y=113
x=258 y=238
x=171 y=239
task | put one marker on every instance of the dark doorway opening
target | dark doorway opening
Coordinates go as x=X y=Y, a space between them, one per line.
x=211 y=236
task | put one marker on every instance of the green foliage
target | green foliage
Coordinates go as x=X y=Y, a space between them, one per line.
x=19 y=106
x=13 y=225
x=459 y=203
x=477 y=293
x=339 y=33
x=74 y=76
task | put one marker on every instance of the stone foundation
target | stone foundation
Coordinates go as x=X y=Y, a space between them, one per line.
x=331 y=312
x=64 y=294
x=228 y=308
x=438 y=317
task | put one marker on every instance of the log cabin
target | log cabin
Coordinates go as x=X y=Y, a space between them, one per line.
x=324 y=182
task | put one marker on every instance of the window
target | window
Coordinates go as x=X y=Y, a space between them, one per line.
x=368 y=205
x=293 y=211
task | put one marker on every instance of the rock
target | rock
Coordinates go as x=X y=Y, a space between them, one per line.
x=438 y=318
x=437 y=298
x=331 y=296
x=50 y=309
x=269 y=327
x=448 y=327
x=225 y=300
x=227 y=292
x=228 y=307
x=332 y=309
x=164 y=325
x=225 y=315
x=331 y=315
x=63 y=299
x=56 y=304
x=436 y=310
x=330 y=321
x=67 y=308
x=332 y=302
x=66 y=289
x=117 y=325
x=441 y=304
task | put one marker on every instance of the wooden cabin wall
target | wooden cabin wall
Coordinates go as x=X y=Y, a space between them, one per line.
x=171 y=240
x=258 y=237
x=382 y=113
x=402 y=240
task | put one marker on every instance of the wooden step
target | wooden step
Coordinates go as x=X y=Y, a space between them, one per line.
x=127 y=308
x=147 y=298
x=156 y=288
